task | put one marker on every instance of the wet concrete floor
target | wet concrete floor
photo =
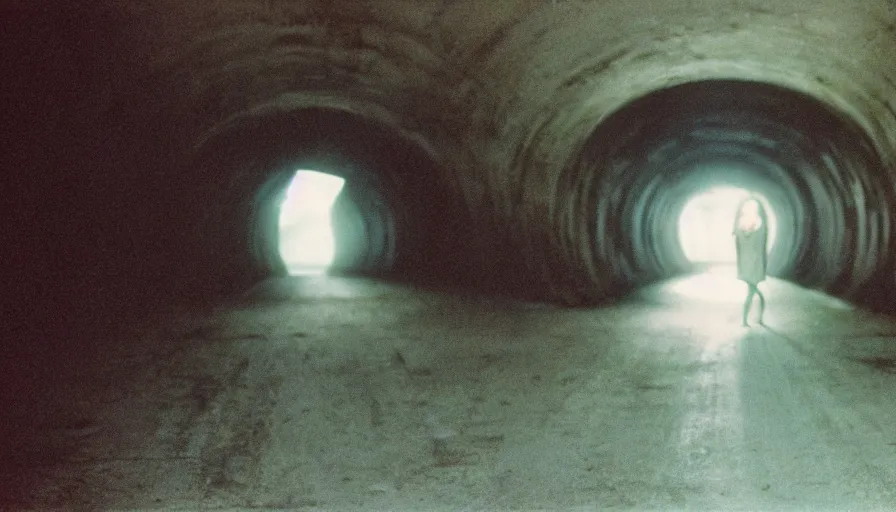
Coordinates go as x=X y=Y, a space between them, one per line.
x=346 y=394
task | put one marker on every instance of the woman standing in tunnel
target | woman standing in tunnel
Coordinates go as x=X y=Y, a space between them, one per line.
x=751 y=239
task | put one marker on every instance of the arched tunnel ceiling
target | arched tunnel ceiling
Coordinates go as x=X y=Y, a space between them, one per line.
x=503 y=96
x=453 y=71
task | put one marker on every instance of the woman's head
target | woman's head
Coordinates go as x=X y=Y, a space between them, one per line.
x=750 y=208
x=750 y=215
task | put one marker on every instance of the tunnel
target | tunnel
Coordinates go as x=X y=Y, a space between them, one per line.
x=384 y=217
x=507 y=250
x=636 y=170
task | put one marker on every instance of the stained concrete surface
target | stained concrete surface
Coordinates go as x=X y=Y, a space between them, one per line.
x=325 y=393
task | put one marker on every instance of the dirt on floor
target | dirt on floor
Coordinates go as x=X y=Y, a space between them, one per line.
x=347 y=394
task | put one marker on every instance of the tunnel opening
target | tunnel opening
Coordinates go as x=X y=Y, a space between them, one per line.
x=307 y=241
x=705 y=225
x=634 y=174
x=395 y=217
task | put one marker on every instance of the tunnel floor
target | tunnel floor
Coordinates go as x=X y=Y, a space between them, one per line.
x=347 y=394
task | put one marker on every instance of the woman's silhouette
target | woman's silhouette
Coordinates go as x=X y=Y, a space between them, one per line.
x=751 y=239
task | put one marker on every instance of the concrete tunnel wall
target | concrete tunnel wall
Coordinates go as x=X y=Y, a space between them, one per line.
x=535 y=146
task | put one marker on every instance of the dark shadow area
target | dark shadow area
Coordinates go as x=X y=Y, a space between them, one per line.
x=884 y=364
x=56 y=309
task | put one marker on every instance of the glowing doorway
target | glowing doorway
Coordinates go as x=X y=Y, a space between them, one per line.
x=306 y=230
x=707 y=221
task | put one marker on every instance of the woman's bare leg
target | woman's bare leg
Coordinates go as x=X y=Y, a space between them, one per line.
x=761 y=304
x=751 y=290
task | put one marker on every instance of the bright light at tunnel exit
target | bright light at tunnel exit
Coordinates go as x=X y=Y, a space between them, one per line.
x=306 y=230
x=707 y=221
